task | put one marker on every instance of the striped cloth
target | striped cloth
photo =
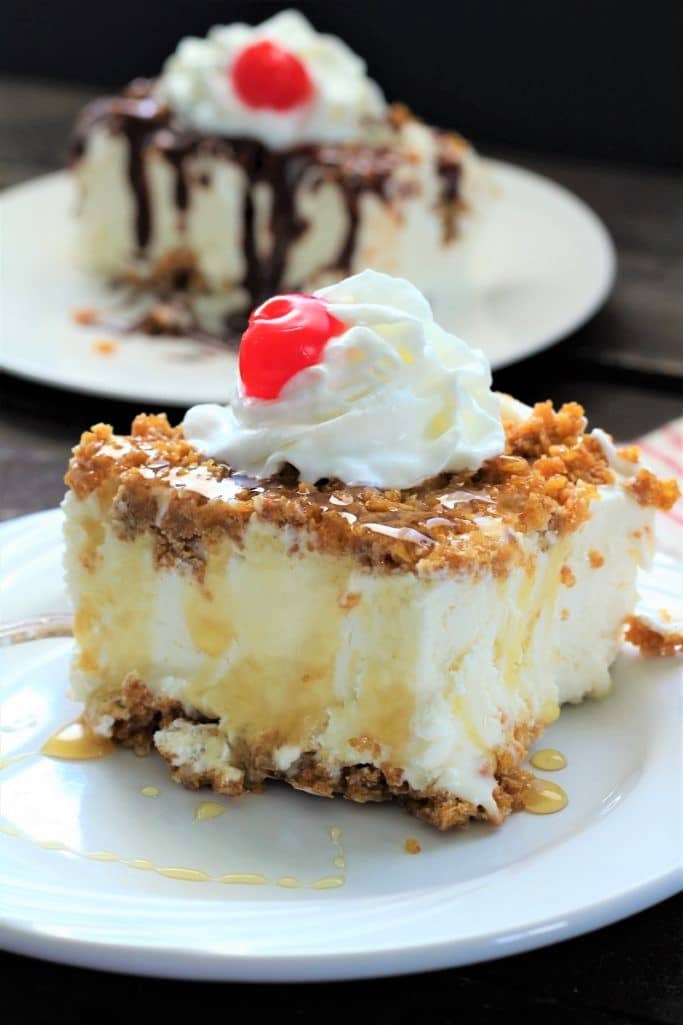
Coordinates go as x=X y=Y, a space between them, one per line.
x=662 y=452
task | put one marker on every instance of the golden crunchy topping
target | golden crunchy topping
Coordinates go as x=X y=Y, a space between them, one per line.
x=650 y=490
x=412 y=845
x=468 y=522
x=547 y=428
x=631 y=454
x=567 y=576
x=400 y=115
x=653 y=642
x=105 y=346
x=85 y=315
x=595 y=559
x=175 y=269
x=102 y=455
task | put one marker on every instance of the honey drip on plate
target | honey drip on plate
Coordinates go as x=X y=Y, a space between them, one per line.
x=248 y=878
x=144 y=864
x=548 y=760
x=189 y=875
x=76 y=743
x=13 y=759
x=333 y=882
x=335 y=834
x=208 y=810
x=328 y=883
x=543 y=797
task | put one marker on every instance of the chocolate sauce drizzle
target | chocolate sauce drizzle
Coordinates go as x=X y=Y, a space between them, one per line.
x=355 y=169
x=449 y=170
x=139 y=117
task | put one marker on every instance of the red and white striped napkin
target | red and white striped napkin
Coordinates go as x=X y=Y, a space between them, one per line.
x=662 y=452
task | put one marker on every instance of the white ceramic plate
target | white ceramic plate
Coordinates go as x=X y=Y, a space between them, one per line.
x=468 y=896
x=544 y=264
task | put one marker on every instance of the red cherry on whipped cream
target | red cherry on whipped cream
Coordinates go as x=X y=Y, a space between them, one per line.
x=285 y=334
x=265 y=76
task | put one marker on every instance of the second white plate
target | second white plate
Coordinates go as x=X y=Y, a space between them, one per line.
x=544 y=264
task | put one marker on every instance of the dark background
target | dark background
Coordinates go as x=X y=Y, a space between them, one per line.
x=594 y=79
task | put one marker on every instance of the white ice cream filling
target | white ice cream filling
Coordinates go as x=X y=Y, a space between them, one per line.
x=439 y=671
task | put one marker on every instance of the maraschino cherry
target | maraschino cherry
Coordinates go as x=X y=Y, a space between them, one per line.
x=285 y=334
x=265 y=76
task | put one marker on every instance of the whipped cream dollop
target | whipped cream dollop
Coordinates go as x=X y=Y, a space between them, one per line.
x=394 y=399
x=345 y=105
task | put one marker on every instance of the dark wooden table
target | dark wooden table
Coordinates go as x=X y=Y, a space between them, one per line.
x=626 y=367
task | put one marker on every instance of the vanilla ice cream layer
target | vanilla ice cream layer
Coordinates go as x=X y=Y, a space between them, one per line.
x=319 y=653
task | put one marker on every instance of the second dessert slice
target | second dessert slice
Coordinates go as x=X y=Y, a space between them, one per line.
x=264 y=159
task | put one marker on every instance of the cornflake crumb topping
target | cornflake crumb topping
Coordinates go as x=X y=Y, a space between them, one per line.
x=465 y=522
x=567 y=576
x=650 y=490
x=651 y=641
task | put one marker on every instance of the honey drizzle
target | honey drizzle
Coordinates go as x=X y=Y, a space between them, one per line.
x=333 y=882
x=328 y=883
x=548 y=760
x=243 y=878
x=13 y=759
x=190 y=875
x=288 y=882
x=543 y=797
x=206 y=810
x=75 y=743
x=335 y=834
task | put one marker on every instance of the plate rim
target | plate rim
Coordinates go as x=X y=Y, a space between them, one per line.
x=13 y=363
x=206 y=962
x=191 y=964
